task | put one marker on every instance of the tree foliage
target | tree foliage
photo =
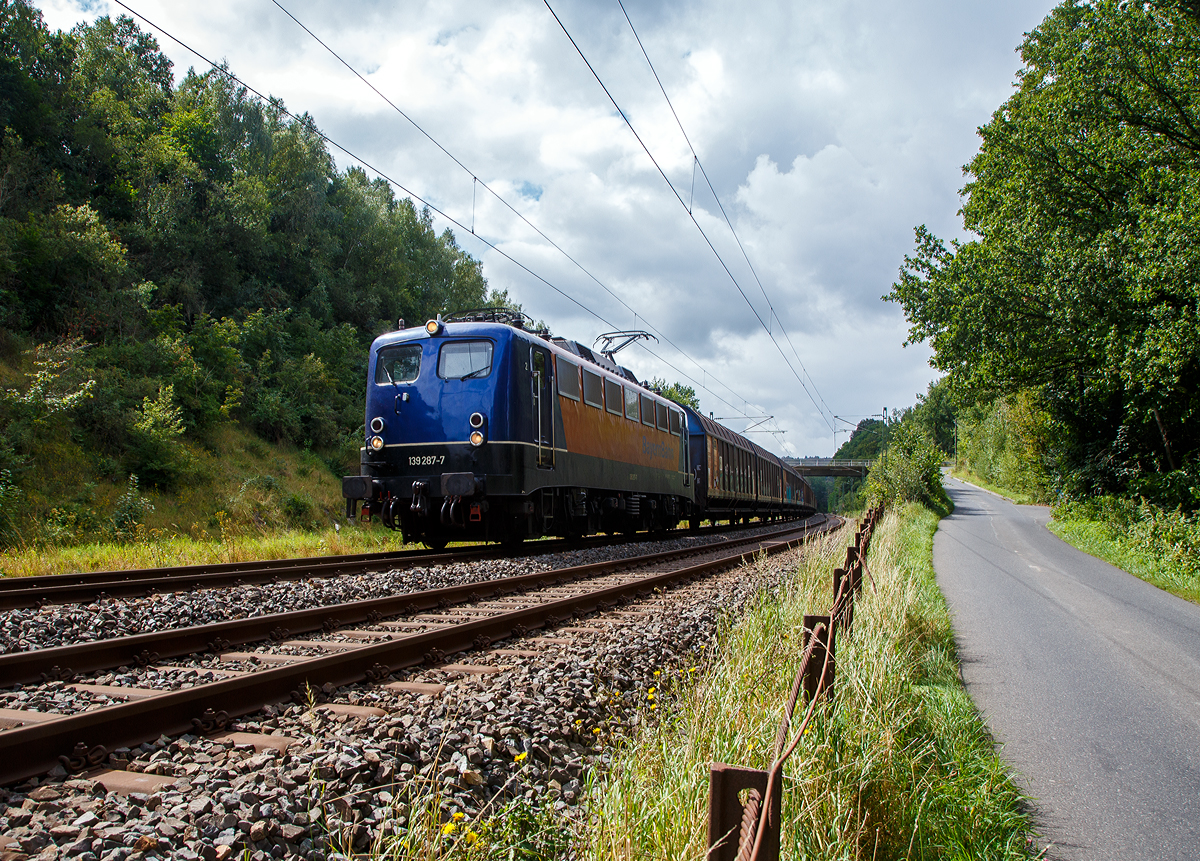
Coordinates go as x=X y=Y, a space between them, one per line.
x=1082 y=284
x=203 y=245
x=908 y=469
x=683 y=395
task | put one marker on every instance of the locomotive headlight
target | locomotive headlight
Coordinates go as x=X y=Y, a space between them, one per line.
x=434 y=327
x=377 y=425
x=376 y=443
x=477 y=420
x=476 y=438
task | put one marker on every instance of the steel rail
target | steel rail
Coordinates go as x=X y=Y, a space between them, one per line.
x=83 y=739
x=61 y=662
x=26 y=592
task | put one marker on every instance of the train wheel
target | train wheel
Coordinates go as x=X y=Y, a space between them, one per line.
x=435 y=544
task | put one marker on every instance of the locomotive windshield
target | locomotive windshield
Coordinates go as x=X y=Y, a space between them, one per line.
x=398 y=364
x=465 y=360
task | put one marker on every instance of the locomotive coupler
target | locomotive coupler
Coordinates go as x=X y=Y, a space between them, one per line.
x=452 y=511
x=420 y=498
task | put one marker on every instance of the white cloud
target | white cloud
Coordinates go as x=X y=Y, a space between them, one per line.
x=828 y=130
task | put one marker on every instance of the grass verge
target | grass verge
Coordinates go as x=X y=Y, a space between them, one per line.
x=151 y=548
x=1098 y=539
x=898 y=765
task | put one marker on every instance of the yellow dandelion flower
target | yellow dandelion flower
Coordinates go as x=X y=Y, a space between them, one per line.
x=653 y=706
x=692 y=670
x=471 y=837
x=579 y=722
x=520 y=756
x=597 y=731
x=459 y=816
x=650 y=695
x=651 y=691
x=658 y=672
x=448 y=828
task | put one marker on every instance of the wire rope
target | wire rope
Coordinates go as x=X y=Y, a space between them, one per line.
x=716 y=197
x=477 y=181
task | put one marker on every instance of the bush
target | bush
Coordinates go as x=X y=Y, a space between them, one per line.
x=157 y=452
x=130 y=513
x=1170 y=537
x=908 y=470
x=298 y=509
x=10 y=497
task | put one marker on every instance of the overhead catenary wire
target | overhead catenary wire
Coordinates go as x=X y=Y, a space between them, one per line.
x=697 y=163
x=476 y=181
x=277 y=105
x=766 y=328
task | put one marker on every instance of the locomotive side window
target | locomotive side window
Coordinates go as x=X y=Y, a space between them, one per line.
x=631 y=404
x=676 y=420
x=660 y=411
x=400 y=364
x=612 y=396
x=593 y=389
x=465 y=360
x=647 y=411
x=568 y=378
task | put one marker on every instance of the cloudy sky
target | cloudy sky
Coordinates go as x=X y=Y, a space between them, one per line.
x=828 y=131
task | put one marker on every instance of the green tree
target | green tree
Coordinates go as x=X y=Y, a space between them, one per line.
x=683 y=395
x=908 y=470
x=1083 y=281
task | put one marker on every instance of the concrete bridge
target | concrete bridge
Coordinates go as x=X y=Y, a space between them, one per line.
x=831 y=466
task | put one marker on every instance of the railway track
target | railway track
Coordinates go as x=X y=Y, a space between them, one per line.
x=355 y=641
x=26 y=592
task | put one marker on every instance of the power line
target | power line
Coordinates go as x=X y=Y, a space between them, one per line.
x=477 y=181
x=687 y=209
x=275 y=104
x=698 y=163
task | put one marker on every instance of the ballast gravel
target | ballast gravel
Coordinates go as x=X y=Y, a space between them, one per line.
x=529 y=734
x=65 y=624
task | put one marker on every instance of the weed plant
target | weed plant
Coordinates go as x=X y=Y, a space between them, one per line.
x=896 y=765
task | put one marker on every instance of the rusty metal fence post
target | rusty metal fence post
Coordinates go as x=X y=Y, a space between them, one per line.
x=742 y=824
x=732 y=822
x=819 y=671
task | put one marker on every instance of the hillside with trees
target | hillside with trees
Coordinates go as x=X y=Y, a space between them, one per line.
x=177 y=261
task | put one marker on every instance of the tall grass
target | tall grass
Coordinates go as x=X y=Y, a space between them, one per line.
x=896 y=765
x=1159 y=545
x=152 y=548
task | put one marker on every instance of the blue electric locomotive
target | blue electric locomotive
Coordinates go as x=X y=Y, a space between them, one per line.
x=477 y=428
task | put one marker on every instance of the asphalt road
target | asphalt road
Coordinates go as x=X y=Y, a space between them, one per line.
x=1088 y=677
